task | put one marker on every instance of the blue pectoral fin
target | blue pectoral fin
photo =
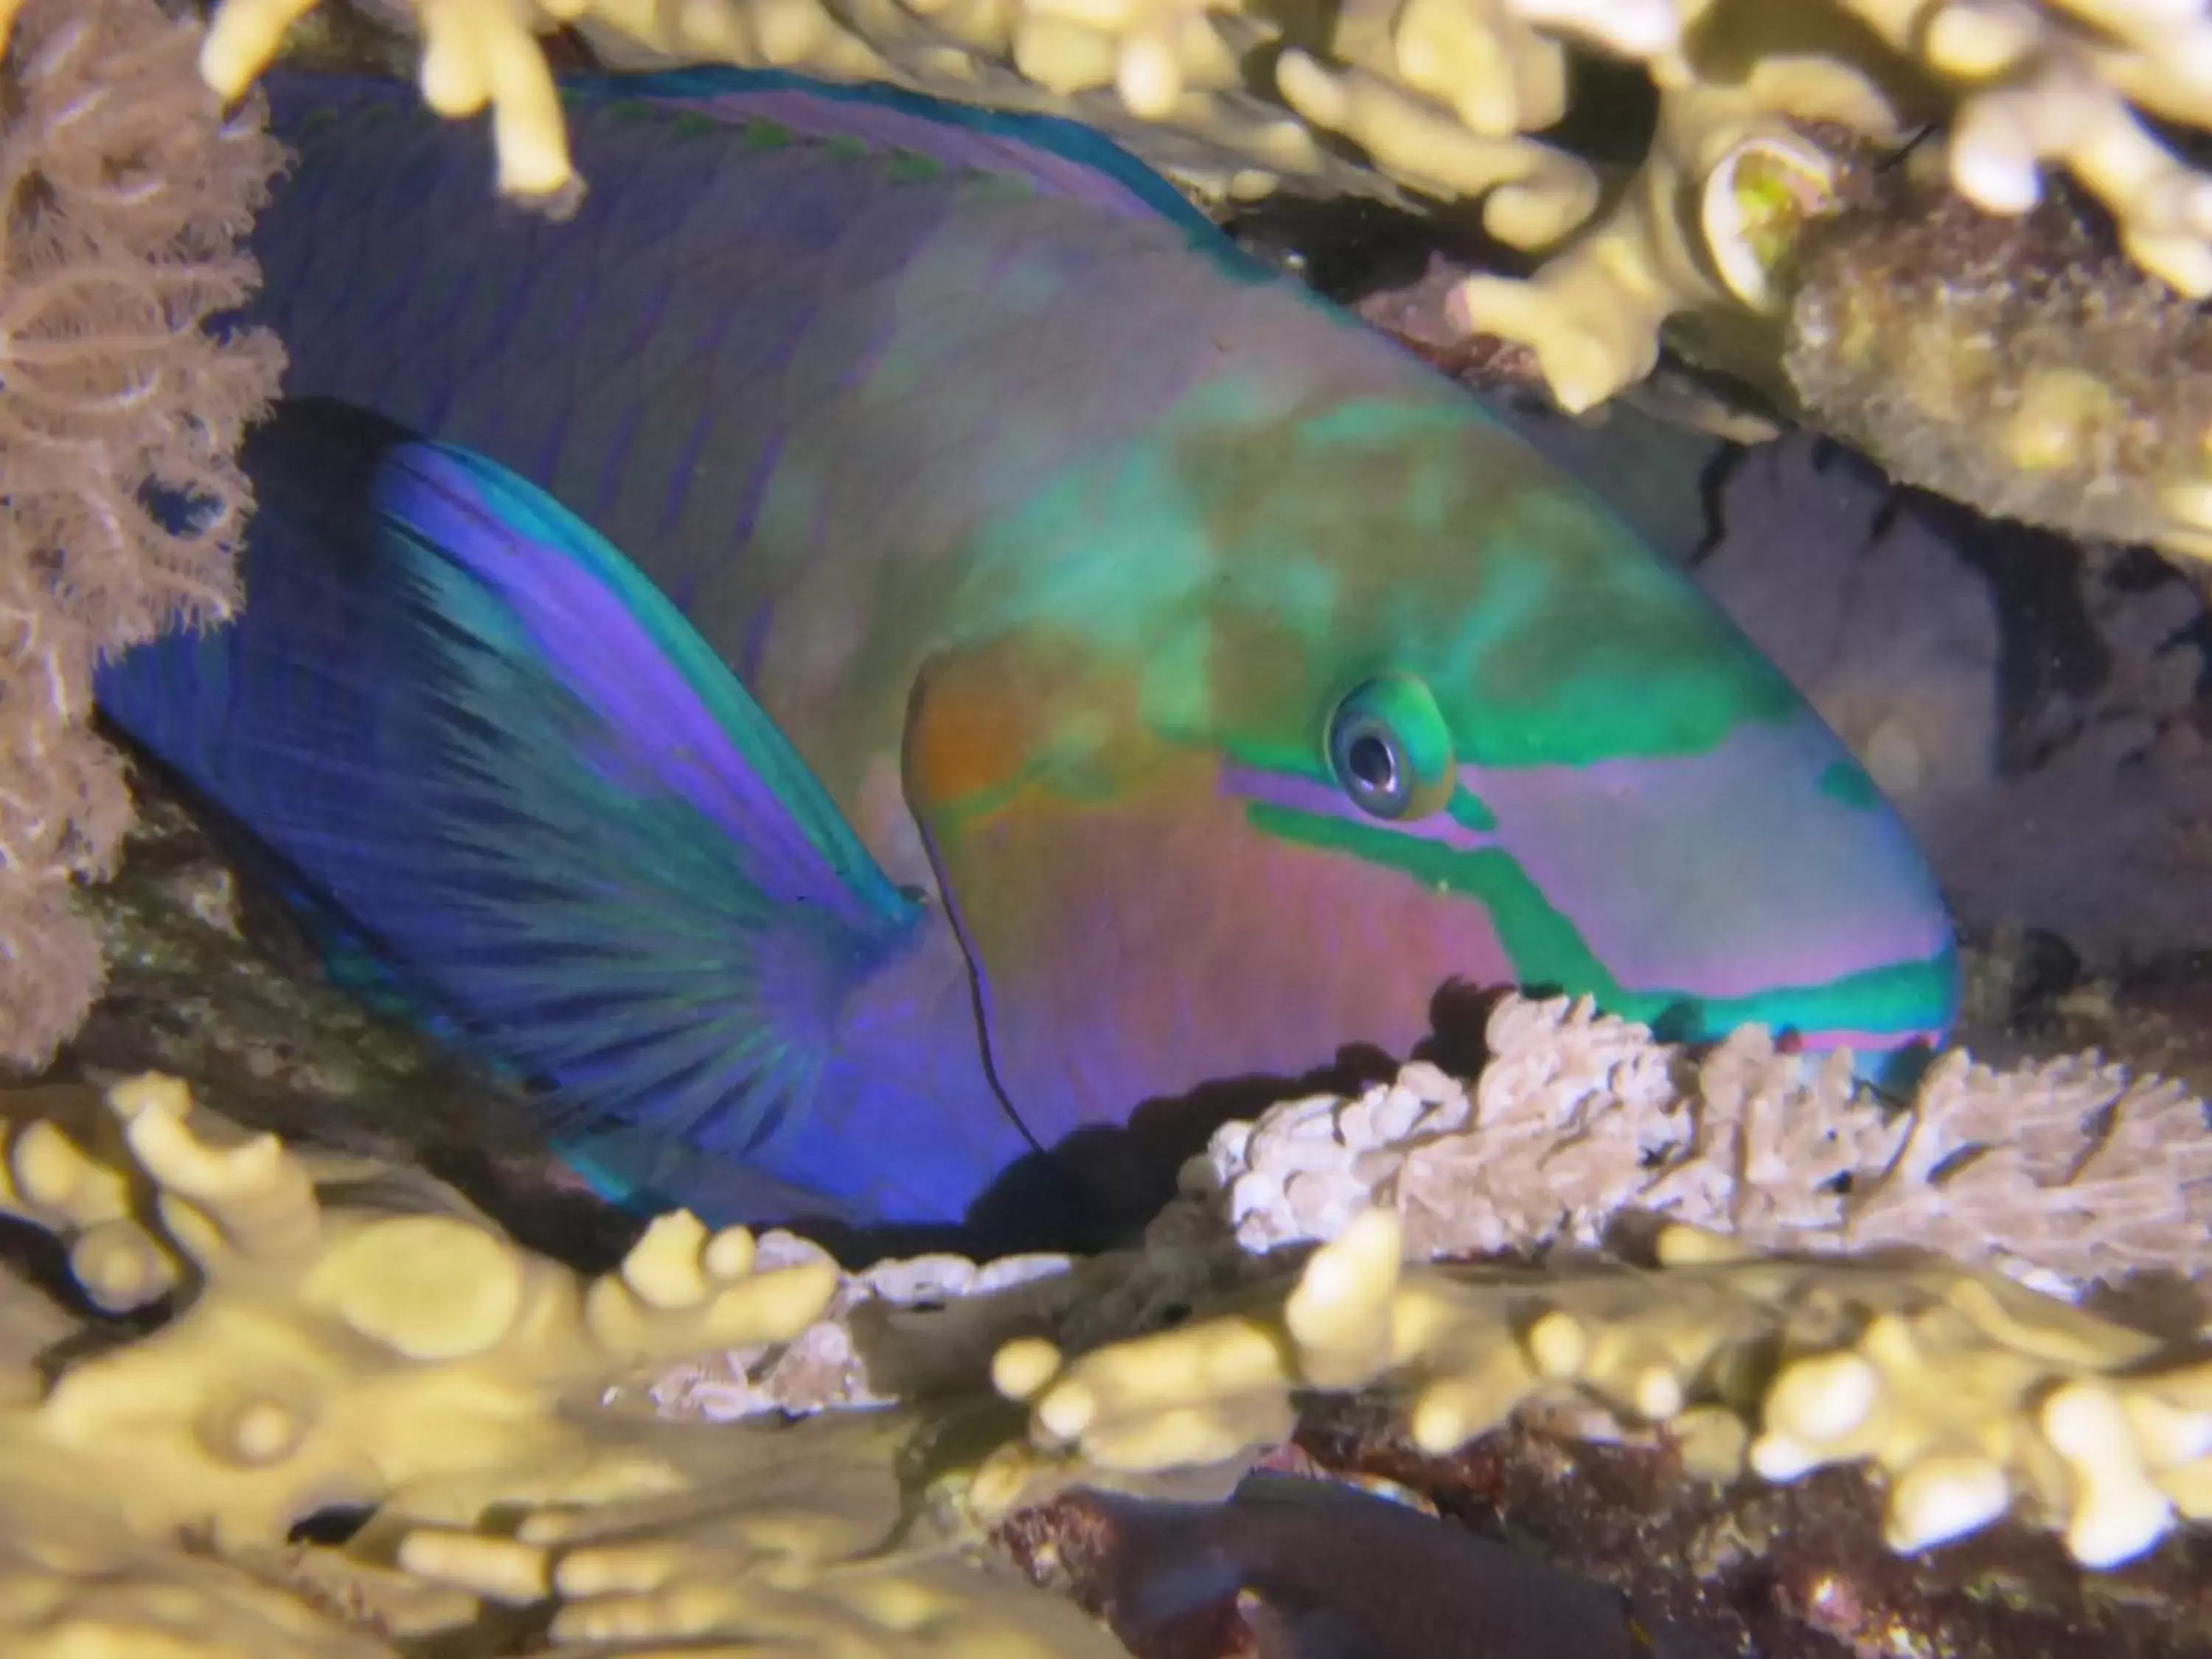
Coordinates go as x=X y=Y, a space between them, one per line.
x=463 y=716
x=651 y=1174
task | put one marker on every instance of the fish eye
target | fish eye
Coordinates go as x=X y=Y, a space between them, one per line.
x=1370 y=764
x=1390 y=749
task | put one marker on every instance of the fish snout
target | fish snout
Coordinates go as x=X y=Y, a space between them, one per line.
x=1764 y=881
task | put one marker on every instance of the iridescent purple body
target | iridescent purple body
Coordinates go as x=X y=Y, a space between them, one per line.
x=882 y=645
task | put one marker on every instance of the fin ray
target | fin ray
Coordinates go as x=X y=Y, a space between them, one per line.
x=467 y=719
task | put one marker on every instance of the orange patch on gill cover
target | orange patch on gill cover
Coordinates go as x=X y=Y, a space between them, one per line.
x=967 y=739
x=998 y=723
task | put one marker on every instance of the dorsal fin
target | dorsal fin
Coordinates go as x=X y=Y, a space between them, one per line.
x=1060 y=157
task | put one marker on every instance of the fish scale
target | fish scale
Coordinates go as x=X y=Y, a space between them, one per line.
x=658 y=357
x=897 y=675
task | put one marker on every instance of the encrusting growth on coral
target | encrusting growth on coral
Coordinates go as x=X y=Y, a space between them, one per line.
x=127 y=193
x=2019 y=364
x=2064 y=1175
x=1745 y=84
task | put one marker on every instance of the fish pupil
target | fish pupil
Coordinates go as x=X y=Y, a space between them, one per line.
x=1372 y=764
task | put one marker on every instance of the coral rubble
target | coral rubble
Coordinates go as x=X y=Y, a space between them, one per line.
x=127 y=190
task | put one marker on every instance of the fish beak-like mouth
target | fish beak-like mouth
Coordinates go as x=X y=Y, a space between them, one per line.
x=1765 y=881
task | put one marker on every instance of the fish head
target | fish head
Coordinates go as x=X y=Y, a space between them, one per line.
x=1327 y=716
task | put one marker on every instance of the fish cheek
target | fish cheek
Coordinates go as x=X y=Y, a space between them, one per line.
x=1063 y=834
x=1133 y=936
x=1032 y=715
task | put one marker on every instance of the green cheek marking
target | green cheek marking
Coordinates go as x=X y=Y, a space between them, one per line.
x=1528 y=927
x=1847 y=784
x=1898 y=997
x=1468 y=811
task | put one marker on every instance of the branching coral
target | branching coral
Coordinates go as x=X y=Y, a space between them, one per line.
x=318 y=1340
x=927 y=1329
x=1442 y=98
x=2062 y=1174
x=1734 y=168
x=321 y=1349
x=1972 y=1396
x=126 y=193
x=329 y=1352
x=1168 y=75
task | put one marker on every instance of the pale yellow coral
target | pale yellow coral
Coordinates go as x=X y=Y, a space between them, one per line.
x=73 y=1588
x=2021 y=86
x=927 y=1328
x=2060 y=83
x=417 y=1363
x=65 y=1168
x=1441 y=95
x=320 y=1345
x=787 y=1555
x=1971 y=1395
x=1444 y=99
x=474 y=54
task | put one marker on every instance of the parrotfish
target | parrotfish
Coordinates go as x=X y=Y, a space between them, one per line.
x=883 y=645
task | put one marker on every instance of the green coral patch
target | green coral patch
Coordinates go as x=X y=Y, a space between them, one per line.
x=1470 y=811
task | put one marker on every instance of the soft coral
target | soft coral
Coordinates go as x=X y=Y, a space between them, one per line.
x=125 y=193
